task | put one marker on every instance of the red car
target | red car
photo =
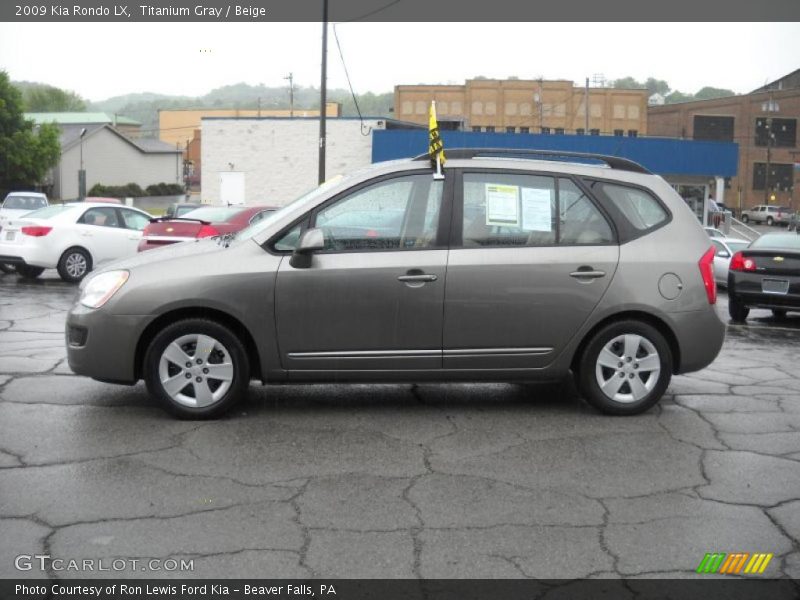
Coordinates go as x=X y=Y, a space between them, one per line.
x=206 y=221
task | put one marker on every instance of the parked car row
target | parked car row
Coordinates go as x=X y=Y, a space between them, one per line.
x=768 y=214
x=75 y=238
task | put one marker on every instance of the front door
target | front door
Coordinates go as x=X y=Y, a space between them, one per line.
x=373 y=298
x=534 y=259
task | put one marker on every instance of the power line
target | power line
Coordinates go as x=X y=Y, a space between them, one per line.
x=364 y=132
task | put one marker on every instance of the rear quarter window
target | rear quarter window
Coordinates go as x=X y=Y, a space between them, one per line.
x=640 y=210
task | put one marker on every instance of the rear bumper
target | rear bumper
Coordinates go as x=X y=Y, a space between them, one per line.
x=700 y=335
x=747 y=288
x=146 y=244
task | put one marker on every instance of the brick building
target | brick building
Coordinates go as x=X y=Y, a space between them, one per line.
x=763 y=123
x=526 y=106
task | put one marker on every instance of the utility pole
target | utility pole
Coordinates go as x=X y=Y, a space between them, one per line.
x=770 y=108
x=586 y=102
x=290 y=78
x=323 y=91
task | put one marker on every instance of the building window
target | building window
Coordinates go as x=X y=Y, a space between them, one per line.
x=441 y=108
x=545 y=131
x=420 y=108
x=476 y=128
x=559 y=131
x=547 y=110
x=524 y=129
x=490 y=129
x=510 y=129
x=619 y=111
x=408 y=107
x=713 y=128
x=511 y=108
x=525 y=109
x=780 y=176
x=477 y=108
x=596 y=110
x=580 y=131
x=594 y=132
x=619 y=132
x=784 y=132
x=491 y=108
x=560 y=110
x=455 y=108
x=633 y=133
x=633 y=111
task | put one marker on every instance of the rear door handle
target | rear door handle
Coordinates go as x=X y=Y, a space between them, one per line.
x=417 y=278
x=587 y=273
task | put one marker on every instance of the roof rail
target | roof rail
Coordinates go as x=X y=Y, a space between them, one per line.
x=614 y=162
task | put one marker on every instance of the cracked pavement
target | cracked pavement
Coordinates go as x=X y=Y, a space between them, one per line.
x=398 y=481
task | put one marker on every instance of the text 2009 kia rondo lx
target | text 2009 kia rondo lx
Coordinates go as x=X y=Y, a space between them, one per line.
x=511 y=268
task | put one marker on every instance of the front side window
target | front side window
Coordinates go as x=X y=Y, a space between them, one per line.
x=397 y=214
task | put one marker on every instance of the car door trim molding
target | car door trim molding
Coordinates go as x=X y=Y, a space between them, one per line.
x=415 y=353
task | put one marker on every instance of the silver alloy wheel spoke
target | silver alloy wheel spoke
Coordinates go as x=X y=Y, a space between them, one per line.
x=188 y=377
x=618 y=363
x=76 y=265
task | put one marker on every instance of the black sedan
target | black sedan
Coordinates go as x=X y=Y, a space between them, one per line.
x=766 y=274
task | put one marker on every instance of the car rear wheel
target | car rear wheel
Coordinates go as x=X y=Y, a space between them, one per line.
x=770 y=221
x=197 y=368
x=625 y=368
x=737 y=310
x=29 y=272
x=745 y=219
x=74 y=265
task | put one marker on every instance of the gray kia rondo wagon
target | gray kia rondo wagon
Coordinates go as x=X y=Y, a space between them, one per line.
x=516 y=266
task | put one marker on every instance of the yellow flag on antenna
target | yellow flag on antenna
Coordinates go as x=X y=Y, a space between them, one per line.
x=435 y=146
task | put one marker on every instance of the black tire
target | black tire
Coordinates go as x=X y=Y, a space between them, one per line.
x=74 y=264
x=29 y=272
x=737 y=310
x=770 y=221
x=745 y=219
x=778 y=313
x=7 y=268
x=587 y=377
x=228 y=342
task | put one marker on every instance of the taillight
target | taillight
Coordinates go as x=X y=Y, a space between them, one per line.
x=36 y=230
x=706 y=265
x=740 y=263
x=207 y=231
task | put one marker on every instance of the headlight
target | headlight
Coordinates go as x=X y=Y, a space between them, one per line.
x=101 y=287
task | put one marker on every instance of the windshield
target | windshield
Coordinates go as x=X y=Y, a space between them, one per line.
x=307 y=198
x=47 y=213
x=25 y=202
x=789 y=241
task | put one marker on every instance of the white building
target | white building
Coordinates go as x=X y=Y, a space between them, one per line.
x=656 y=100
x=273 y=160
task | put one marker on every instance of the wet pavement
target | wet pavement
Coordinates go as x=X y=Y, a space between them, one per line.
x=464 y=481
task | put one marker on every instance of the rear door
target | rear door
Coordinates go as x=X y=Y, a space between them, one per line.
x=531 y=258
x=373 y=298
x=134 y=223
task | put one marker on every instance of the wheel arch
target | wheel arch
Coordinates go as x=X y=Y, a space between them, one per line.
x=659 y=324
x=198 y=312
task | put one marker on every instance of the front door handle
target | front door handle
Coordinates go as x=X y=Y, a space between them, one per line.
x=417 y=278
x=587 y=273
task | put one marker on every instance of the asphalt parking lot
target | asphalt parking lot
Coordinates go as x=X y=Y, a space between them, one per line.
x=451 y=481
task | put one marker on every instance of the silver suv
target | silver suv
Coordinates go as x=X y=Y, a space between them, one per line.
x=768 y=214
x=515 y=267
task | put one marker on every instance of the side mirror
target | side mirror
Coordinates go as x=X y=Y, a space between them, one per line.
x=311 y=241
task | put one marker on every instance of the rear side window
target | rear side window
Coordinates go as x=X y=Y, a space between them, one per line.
x=504 y=209
x=638 y=207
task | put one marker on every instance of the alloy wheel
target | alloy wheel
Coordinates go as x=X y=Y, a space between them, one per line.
x=76 y=265
x=195 y=370
x=628 y=368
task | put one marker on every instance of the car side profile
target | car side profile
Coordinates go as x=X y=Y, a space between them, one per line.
x=514 y=267
x=767 y=214
x=73 y=238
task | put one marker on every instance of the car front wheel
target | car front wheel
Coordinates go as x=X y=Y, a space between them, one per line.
x=197 y=368
x=737 y=310
x=625 y=368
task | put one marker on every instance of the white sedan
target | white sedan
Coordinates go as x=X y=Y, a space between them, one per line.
x=725 y=249
x=72 y=238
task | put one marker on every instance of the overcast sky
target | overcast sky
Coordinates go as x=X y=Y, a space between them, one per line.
x=100 y=60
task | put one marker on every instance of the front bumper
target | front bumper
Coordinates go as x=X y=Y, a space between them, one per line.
x=101 y=345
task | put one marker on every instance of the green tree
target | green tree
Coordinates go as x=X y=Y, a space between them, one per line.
x=46 y=98
x=628 y=83
x=707 y=93
x=25 y=153
x=656 y=86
